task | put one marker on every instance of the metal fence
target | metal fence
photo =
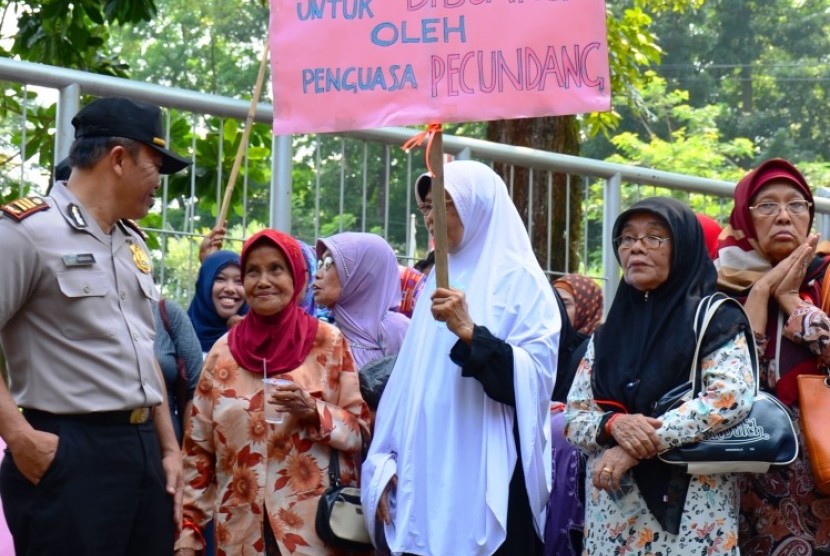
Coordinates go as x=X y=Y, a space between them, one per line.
x=364 y=175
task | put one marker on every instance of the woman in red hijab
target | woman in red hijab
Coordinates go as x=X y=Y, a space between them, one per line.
x=767 y=258
x=261 y=482
x=711 y=233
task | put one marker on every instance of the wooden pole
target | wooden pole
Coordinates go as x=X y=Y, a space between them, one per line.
x=243 y=144
x=439 y=208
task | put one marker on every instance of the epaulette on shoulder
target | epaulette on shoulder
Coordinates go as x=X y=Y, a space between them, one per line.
x=133 y=225
x=24 y=207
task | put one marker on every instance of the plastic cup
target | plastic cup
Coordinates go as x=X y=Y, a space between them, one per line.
x=271 y=385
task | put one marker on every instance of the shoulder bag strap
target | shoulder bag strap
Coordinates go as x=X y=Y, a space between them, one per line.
x=180 y=386
x=165 y=319
x=705 y=313
x=825 y=291
x=334 y=469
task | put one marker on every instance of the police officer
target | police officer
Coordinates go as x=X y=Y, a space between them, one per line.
x=95 y=467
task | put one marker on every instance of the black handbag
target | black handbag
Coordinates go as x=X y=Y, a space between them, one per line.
x=339 y=521
x=766 y=437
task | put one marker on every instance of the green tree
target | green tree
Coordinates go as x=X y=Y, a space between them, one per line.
x=60 y=33
x=632 y=47
x=764 y=62
x=211 y=46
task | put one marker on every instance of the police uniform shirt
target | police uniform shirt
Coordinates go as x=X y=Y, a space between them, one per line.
x=76 y=324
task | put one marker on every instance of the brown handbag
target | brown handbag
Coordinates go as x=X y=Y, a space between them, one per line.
x=814 y=404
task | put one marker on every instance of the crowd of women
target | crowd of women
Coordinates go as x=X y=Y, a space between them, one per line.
x=499 y=415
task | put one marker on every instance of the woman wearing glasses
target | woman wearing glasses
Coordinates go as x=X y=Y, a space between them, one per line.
x=634 y=503
x=767 y=258
x=358 y=278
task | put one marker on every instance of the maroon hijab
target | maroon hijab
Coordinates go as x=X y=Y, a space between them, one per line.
x=771 y=170
x=741 y=262
x=284 y=340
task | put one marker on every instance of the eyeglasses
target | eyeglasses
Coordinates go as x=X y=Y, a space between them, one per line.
x=793 y=207
x=426 y=208
x=325 y=264
x=649 y=242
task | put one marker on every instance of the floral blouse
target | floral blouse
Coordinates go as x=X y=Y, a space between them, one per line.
x=623 y=525
x=806 y=326
x=238 y=469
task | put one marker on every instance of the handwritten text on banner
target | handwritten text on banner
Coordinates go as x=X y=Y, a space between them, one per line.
x=354 y=64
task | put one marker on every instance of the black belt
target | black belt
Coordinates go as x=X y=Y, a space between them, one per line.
x=137 y=416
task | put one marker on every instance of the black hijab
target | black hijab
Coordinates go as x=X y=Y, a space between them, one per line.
x=646 y=346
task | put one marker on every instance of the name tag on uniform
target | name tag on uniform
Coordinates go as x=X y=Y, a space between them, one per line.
x=79 y=259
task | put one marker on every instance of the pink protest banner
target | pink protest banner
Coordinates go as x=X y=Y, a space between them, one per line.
x=356 y=64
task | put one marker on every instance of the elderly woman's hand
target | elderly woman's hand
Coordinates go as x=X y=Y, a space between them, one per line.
x=786 y=292
x=790 y=272
x=292 y=398
x=383 y=514
x=449 y=305
x=610 y=468
x=636 y=434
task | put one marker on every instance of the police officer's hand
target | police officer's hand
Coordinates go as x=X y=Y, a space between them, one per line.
x=33 y=453
x=212 y=242
x=171 y=462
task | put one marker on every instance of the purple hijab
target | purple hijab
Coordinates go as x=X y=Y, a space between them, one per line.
x=370 y=289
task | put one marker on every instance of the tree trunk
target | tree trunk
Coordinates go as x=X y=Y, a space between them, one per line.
x=556 y=134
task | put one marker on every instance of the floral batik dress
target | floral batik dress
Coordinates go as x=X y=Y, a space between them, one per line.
x=782 y=513
x=240 y=470
x=622 y=525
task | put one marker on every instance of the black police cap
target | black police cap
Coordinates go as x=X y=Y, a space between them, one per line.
x=123 y=117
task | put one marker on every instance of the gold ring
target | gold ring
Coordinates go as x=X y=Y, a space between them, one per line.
x=607 y=470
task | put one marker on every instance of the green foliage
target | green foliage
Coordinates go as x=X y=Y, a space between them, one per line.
x=632 y=47
x=212 y=46
x=764 y=62
x=39 y=140
x=74 y=34
x=693 y=144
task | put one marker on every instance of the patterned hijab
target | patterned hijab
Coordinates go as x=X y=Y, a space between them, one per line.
x=370 y=294
x=206 y=321
x=741 y=261
x=587 y=300
x=281 y=342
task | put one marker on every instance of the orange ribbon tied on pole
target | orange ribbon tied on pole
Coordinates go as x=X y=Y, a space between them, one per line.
x=435 y=166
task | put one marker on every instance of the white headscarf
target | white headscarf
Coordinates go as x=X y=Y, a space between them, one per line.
x=450 y=445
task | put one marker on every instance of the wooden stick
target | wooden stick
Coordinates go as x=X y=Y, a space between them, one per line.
x=439 y=208
x=243 y=144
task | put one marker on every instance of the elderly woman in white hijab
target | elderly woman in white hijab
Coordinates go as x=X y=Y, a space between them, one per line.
x=460 y=461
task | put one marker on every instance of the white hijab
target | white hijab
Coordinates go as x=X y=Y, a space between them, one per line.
x=450 y=445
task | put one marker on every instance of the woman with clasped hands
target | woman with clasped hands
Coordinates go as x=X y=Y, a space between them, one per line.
x=261 y=482
x=635 y=504
x=767 y=259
